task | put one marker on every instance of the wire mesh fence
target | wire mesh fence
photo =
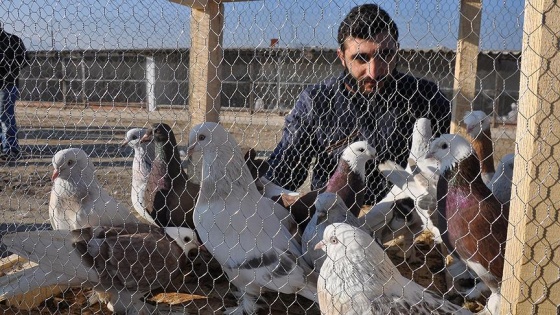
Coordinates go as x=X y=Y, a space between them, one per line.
x=109 y=176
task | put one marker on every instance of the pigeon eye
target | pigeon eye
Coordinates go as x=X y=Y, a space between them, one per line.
x=187 y=239
x=334 y=240
x=444 y=146
x=201 y=137
x=134 y=137
x=361 y=150
x=70 y=162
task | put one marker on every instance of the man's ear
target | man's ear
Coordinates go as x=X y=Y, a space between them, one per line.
x=340 y=55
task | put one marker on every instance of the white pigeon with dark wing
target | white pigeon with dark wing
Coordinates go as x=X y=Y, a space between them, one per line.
x=359 y=278
x=124 y=261
x=248 y=234
x=144 y=155
x=77 y=199
x=329 y=208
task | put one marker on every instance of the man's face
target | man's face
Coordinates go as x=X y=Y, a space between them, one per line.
x=369 y=61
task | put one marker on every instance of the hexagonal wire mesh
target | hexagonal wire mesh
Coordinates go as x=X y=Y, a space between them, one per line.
x=98 y=70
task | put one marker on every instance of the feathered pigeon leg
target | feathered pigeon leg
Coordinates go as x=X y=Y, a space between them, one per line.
x=465 y=281
x=493 y=304
x=246 y=303
x=129 y=303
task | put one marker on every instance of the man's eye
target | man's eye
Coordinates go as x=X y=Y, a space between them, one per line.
x=362 y=59
x=387 y=55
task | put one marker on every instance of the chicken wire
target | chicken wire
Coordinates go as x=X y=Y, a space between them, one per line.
x=97 y=69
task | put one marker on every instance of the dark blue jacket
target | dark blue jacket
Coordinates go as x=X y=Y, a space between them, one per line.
x=13 y=58
x=328 y=112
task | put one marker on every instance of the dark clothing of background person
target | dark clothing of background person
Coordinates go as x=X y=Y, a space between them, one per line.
x=328 y=112
x=13 y=58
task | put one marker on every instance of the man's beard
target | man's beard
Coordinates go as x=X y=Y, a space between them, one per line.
x=358 y=85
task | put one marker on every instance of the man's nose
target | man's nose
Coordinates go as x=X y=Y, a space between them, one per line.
x=376 y=68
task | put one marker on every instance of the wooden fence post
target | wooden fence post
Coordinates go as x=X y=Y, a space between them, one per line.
x=530 y=282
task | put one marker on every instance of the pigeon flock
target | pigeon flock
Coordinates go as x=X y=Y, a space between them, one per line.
x=322 y=245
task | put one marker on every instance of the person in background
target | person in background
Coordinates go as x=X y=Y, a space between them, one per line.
x=370 y=100
x=13 y=58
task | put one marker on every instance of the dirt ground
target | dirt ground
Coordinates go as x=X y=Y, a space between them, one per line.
x=46 y=128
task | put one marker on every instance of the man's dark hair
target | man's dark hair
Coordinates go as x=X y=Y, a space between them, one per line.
x=364 y=22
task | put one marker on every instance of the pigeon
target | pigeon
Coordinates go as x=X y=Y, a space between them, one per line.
x=250 y=235
x=77 y=199
x=358 y=277
x=348 y=181
x=501 y=183
x=141 y=166
x=478 y=128
x=125 y=261
x=170 y=196
x=329 y=208
x=474 y=222
x=407 y=208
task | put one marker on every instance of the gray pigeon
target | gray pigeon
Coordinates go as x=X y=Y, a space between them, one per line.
x=359 y=278
x=247 y=233
x=125 y=261
x=141 y=166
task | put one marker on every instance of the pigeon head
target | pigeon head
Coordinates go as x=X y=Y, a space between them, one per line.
x=357 y=154
x=184 y=237
x=209 y=137
x=71 y=163
x=448 y=150
x=160 y=133
x=133 y=136
x=477 y=121
x=340 y=238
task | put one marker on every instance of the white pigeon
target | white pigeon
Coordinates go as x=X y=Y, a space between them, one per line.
x=77 y=199
x=359 y=278
x=501 y=183
x=329 y=208
x=144 y=154
x=125 y=261
x=248 y=234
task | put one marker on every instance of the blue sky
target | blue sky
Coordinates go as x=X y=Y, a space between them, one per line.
x=112 y=24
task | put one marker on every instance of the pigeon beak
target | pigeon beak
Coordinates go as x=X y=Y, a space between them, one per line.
x=190 y=149
x=55 y=175
x=320 y=245
x=124 y=143
x=145 y=138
